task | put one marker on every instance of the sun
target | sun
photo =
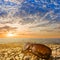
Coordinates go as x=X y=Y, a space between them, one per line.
x=10 y=34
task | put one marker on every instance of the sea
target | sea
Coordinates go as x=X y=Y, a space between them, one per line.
x=33 y=40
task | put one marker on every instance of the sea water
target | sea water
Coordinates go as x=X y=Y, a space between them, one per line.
x=33 y=40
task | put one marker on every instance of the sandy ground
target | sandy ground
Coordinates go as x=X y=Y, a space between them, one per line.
x=13 y=51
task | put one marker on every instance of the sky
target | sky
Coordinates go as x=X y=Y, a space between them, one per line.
x=30 y=18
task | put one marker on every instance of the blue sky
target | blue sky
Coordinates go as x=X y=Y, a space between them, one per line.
x=40 y=17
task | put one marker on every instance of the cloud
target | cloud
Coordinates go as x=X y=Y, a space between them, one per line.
x=7 y=29
x=29 y=15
